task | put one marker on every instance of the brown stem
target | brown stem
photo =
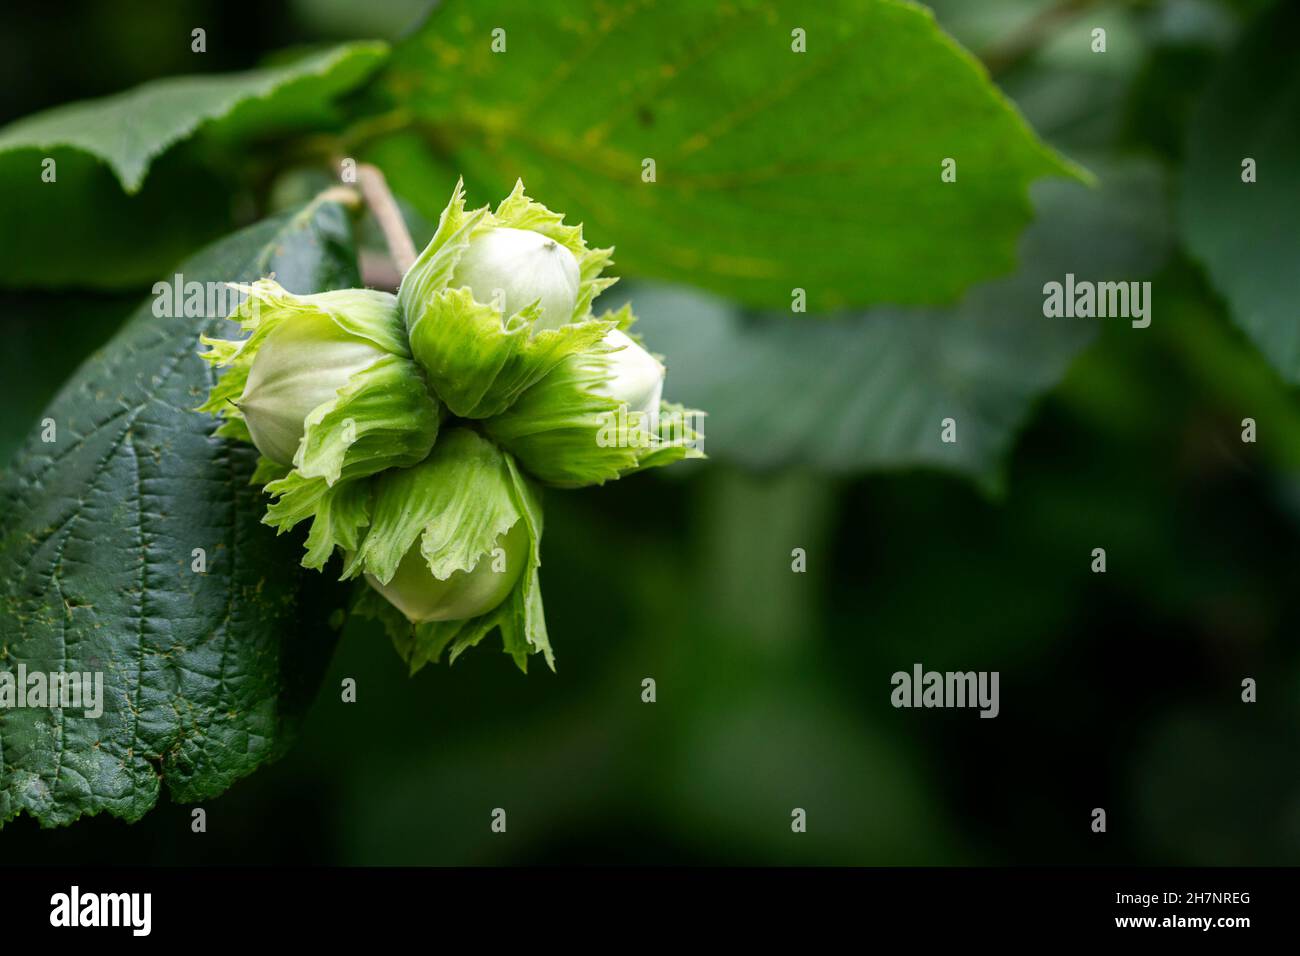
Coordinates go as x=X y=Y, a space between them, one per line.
x=384 y=208
x=1025 y=41
x=378 y=271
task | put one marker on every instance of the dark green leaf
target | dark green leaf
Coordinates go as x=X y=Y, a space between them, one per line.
x=1247 y=234
x=870 y=392
x=46 y=336
x=82 y=230
x=129 y=130
x=775 y=169
x=205 y=675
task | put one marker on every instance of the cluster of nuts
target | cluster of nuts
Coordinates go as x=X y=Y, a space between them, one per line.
x=412 y=430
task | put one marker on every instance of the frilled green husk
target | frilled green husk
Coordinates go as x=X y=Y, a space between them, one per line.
x=456 y=503
x=339 y=513
x=371 y=477
x=383 y=417
x=480 y=361
x=565 y=432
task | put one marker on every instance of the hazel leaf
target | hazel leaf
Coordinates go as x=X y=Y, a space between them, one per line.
x=127 y=131
x=750 y=148
x=207 y=666
x=1240 y=204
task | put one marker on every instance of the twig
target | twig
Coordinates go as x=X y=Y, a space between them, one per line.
x=378 y=271
x=1025 y=41
x=384 y=208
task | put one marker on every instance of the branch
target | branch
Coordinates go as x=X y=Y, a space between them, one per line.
x=1025 y=41
x=384 y=208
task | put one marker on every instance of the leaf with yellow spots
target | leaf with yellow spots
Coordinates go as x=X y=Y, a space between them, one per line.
x=751 y=147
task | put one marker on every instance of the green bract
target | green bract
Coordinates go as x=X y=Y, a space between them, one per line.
x=466 y=505
x=324 y=383
x=482 y=349
x=300 y=366
x=409 y=429
x=597 y=416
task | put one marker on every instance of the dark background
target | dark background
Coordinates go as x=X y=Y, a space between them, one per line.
x=1119 y=691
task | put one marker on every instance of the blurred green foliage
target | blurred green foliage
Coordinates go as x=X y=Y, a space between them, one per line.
x=127 y=237
x=1119 y=690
